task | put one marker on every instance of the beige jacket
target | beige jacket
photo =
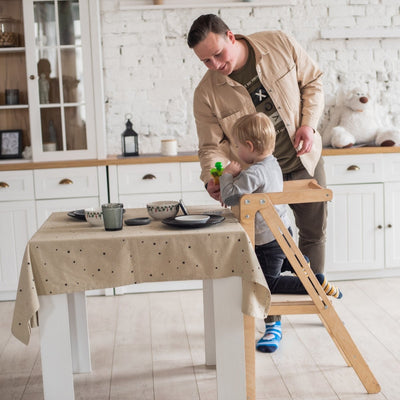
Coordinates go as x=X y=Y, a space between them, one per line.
x=291 y=78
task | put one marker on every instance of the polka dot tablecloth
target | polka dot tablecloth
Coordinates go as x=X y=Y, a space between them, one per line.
x=67 y=255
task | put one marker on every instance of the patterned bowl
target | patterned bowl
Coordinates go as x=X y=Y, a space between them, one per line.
x=163 y=209
x=94 y=216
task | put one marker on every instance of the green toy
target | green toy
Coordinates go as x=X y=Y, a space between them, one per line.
x=217 y=171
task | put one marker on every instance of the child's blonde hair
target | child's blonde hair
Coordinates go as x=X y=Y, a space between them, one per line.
x=258 y=129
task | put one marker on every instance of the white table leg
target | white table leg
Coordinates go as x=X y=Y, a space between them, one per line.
x=229 y=338
x=78 y=327
x=55 y=348
x=209 y=326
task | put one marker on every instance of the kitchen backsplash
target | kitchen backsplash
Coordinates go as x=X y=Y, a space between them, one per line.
x=150 y=73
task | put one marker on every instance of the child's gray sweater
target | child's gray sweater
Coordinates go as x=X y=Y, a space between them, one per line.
x=262 y=177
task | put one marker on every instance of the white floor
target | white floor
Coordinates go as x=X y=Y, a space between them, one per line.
x=151 y=346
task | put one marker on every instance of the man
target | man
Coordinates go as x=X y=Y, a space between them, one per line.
x=266 y=72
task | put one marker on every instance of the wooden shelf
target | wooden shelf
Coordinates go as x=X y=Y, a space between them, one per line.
x=13 y=107
x=175 y=4
x=359 y=150
x=12 y=49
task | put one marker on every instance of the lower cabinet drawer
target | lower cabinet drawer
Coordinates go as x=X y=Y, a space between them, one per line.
x=391 y=164
x=149 y=178
x=16 y=185
x=362 y=168
x=60 y=183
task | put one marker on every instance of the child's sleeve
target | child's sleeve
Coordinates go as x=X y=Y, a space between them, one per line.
x=232 y=189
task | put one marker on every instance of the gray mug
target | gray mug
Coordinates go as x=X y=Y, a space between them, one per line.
x=112 y=216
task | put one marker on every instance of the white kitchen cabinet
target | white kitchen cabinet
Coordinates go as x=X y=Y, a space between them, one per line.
x=18 y=224
x=392 y=210
x=355 y=237
x=55 y=64
x=363 y=217
x=392 y=224
x=62 y=63
x=27 y=198
x=143 y=183
x=67 y=189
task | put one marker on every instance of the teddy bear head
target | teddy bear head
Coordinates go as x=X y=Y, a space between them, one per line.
x=357 y=100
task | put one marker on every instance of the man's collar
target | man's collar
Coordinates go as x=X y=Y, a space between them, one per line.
x=259 y=52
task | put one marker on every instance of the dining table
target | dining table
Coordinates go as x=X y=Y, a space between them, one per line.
x=67 y=257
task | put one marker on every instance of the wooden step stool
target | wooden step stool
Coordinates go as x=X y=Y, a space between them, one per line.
x=317 y=302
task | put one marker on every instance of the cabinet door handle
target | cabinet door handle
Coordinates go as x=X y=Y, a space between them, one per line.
x=31 y=77
x=4 y=185
x=389 y=225
x=353 y=168
x=65 y=181
x=149 y=176
x=380 y=226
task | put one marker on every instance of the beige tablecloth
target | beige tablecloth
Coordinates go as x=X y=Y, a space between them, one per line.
x=67 y=255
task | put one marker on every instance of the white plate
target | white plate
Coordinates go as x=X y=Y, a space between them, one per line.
x=193 y=218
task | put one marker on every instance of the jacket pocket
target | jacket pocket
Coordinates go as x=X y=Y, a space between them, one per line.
x=226 y=124
x=288 y=88
x=228 y=121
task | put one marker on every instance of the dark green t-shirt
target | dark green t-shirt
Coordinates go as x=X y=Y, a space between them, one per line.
x=284 y=150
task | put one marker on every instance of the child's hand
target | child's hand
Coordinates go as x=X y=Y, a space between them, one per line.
x=233 y=168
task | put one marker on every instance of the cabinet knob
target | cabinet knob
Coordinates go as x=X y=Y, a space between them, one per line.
x=4 y=185
x=389 y=225
x=353 y=168
x=380 y=226
x=31 y=77
x=65 y=181
x=149 y=176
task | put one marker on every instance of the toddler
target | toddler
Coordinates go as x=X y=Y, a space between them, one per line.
x=254 y=138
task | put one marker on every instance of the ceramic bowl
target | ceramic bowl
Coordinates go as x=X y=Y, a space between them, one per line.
x=163 y=209
x=94 y=216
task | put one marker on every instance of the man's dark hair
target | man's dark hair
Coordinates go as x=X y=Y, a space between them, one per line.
x=202 y=26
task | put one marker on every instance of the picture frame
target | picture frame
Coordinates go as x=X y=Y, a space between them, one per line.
x=10 y=143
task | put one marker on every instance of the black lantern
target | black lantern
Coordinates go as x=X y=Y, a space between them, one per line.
x=130 y=144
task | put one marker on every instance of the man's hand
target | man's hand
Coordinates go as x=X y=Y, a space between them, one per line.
x=233 y=168
x=213 y=190
x=304 y=138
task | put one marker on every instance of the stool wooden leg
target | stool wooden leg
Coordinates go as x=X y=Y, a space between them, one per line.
x=327 y=313
x=346 y=346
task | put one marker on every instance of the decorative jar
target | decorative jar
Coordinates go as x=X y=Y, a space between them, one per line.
x=8 y=32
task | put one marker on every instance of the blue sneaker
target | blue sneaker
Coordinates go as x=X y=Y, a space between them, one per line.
x=272 y=336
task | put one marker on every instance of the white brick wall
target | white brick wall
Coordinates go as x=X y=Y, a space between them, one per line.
x=150 y=72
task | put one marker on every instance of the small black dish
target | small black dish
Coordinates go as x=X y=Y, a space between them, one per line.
x=137 y=221
x=78 y=214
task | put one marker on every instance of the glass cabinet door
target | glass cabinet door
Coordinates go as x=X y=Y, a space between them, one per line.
x=59 y=79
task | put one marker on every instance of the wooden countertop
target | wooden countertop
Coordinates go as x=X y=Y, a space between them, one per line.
x=359 y=150
x=16 y=165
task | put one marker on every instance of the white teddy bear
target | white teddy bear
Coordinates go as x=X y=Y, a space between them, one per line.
x=355 y=122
